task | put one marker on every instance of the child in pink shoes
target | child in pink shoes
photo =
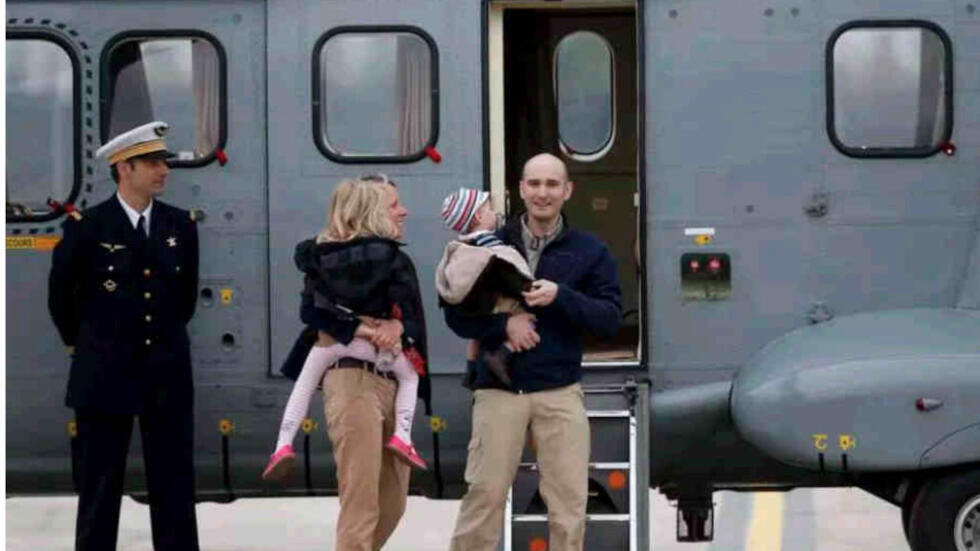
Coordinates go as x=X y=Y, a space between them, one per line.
x=317 y=362
x=355 y=272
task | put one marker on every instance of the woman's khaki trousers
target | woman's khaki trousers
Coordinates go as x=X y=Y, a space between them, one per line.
x=359 y=407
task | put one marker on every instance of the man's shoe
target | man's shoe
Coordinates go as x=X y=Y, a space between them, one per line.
x=280 y=464
x=497 y=364
x=406 y=452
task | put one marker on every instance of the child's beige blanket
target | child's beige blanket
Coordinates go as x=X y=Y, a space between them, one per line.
x=461 y=266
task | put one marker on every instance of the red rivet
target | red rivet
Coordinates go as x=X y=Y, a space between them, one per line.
x=433 y=154
x=60 y=207
x=949 y=148
x=928 y=404
x=221 y=156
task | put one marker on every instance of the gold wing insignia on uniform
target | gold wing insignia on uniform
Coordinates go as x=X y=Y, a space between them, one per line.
x=112 y=248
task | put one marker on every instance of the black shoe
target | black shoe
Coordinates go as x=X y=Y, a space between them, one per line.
x=497 y=363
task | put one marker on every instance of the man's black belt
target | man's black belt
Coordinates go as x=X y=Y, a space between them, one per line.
x=366 y=366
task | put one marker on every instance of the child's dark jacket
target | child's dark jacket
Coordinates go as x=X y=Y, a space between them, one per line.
x=363 y=276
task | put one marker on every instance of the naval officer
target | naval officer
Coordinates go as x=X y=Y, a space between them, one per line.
x=122 y=288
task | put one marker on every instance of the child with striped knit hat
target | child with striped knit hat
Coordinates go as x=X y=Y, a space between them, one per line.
x=479 y=272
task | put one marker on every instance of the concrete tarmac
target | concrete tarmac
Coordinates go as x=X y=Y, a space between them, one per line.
x=800 y=520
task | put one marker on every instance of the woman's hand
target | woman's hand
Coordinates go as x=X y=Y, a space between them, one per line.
x=387 y=334
x=366 y=330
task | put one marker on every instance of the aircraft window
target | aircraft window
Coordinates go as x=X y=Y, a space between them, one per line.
x=375 y=94
x=889 y=89
x=584 y=95
x=175 y=79
x=41 y=127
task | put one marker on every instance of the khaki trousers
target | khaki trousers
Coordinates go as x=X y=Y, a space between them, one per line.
x=360 y=411
x=561 y=434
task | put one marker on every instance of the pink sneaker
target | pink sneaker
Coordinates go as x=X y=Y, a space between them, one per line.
x=280 y=464
x=406 y=452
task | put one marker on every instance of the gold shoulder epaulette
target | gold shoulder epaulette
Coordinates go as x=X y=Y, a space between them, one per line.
x=75 y=215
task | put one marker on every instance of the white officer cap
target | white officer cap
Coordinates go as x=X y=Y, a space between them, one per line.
x=142 y=141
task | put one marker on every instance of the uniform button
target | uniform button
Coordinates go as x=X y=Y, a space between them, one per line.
x=111 y=268
x=148 y=318
x=178 y=268
x=147 y=295
x=146 y=272
x=148 y=342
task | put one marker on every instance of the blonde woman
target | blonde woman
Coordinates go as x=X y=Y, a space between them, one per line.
x=355 y=277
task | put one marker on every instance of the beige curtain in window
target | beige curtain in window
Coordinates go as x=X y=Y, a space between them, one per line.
x=207 y=98
x=414 y=85
x=131 y=102
x=932 y=98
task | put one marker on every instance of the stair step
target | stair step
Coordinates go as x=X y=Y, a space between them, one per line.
x=597 y=518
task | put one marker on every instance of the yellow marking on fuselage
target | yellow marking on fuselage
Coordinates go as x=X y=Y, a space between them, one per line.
x=31 y=242
x=766 y=523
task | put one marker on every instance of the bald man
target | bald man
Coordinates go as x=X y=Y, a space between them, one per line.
x=575 y=291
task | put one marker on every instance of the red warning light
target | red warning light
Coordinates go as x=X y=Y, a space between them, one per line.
x=616 y=480
x=537 y=544
x=714 y=265
x=695 y=265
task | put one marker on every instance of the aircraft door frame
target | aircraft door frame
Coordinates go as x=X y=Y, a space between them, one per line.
x=500 y=174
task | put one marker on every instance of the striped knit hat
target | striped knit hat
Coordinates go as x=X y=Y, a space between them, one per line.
x=459 y=207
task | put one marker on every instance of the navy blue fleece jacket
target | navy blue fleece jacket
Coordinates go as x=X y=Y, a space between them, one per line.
x=588 y=300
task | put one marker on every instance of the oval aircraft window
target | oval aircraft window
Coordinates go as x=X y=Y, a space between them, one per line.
x=890 y=89
x=375 y=94
x=584 y=95
x=175 y=79
x=40 y=128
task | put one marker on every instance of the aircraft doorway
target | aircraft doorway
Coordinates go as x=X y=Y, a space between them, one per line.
x=564 y=81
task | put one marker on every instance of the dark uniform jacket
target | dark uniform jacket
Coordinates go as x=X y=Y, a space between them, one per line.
x=588 y=300
x=363 y=276
x=124 y=306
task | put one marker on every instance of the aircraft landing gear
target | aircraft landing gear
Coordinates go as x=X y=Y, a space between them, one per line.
x=946 y=514
x=695 y=519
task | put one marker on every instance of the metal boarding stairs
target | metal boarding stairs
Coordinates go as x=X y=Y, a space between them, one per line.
x=617 y=511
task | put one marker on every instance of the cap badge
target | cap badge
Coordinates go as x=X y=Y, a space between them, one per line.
x=160 y=130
